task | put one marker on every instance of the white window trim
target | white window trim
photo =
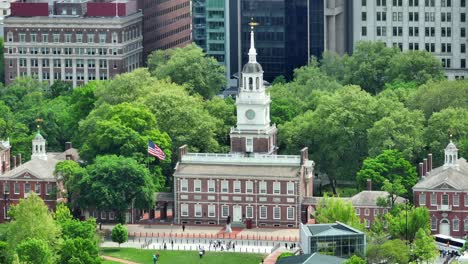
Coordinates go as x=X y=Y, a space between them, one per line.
x=184 y=210
x=456 y=197
x=366 y=211
x=212 y=186
x=103 y=215
x=184 y=185
x=266 y=212
x=247 y=210
x=237 y=187
x=249 y=187
x=197 y=185
x=225 y=185
x=465 y=225
x=195 y=211
x=420 y=200
x=211 y=210
x=19 y=188
x=276 y=187
x=263 y=187
x=435 y=195
x=435 y=221
x=376 y=212
x=287 y=213
x=290 y=188
x=358 y=211
x=222 y=210
x=274 y=214
x=456 y=226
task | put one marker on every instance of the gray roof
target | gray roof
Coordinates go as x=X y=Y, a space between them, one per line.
x=335 y=229
x=188 y=169
x=42 y=169
x=369 y=198
x=311 y=259
x=252 y=67
x=453 y=177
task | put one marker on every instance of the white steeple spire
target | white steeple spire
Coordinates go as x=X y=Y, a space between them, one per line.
x=451 y=156
x=39 y=147
x=252 y=50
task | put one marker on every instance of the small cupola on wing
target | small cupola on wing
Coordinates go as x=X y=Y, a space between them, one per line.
x=451 y=155
x=39 y=147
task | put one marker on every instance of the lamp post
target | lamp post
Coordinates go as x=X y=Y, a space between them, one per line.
x=406 y=230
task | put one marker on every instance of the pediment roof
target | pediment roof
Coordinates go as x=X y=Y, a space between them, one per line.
x=449 y=178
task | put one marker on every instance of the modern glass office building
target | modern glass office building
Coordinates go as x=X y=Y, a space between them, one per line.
x=335 y=239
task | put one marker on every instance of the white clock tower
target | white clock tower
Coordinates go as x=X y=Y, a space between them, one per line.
x=253 y=132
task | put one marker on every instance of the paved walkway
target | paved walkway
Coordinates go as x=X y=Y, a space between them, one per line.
x=118 y=260
x=271 y=259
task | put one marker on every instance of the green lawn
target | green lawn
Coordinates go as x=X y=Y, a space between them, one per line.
x=174 y=257
x=109 y=262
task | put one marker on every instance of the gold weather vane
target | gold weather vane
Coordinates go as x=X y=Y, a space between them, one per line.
x=252 y=23
x=39 y=120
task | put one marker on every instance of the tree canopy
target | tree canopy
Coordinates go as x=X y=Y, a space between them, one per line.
x=332 y=209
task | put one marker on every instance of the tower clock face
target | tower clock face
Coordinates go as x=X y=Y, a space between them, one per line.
x=250 y=114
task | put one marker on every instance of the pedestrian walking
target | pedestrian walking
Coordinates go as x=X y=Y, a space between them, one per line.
x=155 y=257
x=183 y=228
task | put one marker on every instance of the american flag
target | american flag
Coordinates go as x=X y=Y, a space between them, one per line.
x=155 y=151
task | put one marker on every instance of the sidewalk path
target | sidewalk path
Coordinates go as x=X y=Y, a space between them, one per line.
x=271 y=259
x=118 y=260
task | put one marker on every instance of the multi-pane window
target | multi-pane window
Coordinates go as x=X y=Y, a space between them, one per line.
x=197 y=185
x=446 y=3
x=67 y=51
x=433 y=223
x=198 y=210
x=397 y=31
x=249 y=211
x=413 y=31
x=48 y=188
x=79 y=63
x=249 y=187
x=276 y=212
x=224 y=186
x=397 y=2
x=446 y=31
x=45 y=75
x=397 y=16
x=381 y=2
x=430 y=47
x=381 y=16
x=237 y=186
x=224 y=211
x=102 y=38
x=430 y=3
x=433 y=199
x=211 y=186
x=22 y=37
x=358 y=211
x=68 y=37
x=462 y=3
x=413 y=2
x=422 y=199
x=290 y=188
x=263 y=212
x=276 y=187
x=413 y=16
x=446 y=17
x=262 y=186
x=456 y=200
x=366 y=211
x=90 y=37
x=381 y=31
x=91 y=63
x=290 y=213
x=33 y=37
x=463 y=48
x=37 y=188
x=463 y=63
x=462 y=17
x=376 y=212
x=27 y=188
x=429 y=16
x=456 y=224
x=465 y=224
x=446 y=47
x=211 y=210
x=103 y=215
x=363 y=31
x=79 y=37
x=22 y=62
x=34 y=63
x=462 y=32
x=184 y=209
x=102 y=64
x=68 y=76
x=184 y=185
x=363 y=2
x=429 y=31
x=363 y=16
x=57 y=75
x=56 y=37
x=103 y=76
x=10 y=36
x=91 y=76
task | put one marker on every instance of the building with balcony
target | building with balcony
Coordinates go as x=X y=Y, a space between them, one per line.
x=166 y=24
x=250 y=185
x=438 y=27
x=36 y=175
x=75 y=41
x=444 y=191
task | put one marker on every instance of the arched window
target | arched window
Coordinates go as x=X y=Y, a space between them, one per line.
x=257 y=83
x=250 y=83
x=37 y=148
x=433 y=223
x=450 y=159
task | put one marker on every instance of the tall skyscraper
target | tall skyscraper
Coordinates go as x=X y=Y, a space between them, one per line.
x=166 y=24
x=435 y=26
x=290 y=31
x=211 y=25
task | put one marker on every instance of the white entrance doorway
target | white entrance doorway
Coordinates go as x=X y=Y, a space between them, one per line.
x=444 y=227
x=237 y=213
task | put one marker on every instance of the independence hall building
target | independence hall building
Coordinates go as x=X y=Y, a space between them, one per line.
x=251 y=185
x=74 y=41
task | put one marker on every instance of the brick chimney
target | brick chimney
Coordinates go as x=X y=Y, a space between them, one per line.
x=304 y=154
x=20 y=160
x=369 y=184
x=182 y=151
x=14 y=162
x=3 y=167
x=421 y=175
x=429 y=163
x=424 y=167
x=68 y=145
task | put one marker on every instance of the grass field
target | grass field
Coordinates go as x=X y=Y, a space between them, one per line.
x=175 y=257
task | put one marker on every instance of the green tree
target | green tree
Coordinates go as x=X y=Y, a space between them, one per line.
x=389 y=165
x=333 y=65
x=122 y=129
x=332 y=209
x=33 y=251
x=448 y=124
x=355 y=260
x=31 y=219
x=188 y=66
x=224 y=110
x=339 y=149
x=312 y=78
x=391 y=251
x=415 y=66
x=5 y=257
x=2 y=61
x=119 y=234
x=424 y=247
x=436 y=96
x=114 y=182
x=418 y=218
x=394 y=190
x=402 y=130
x=368 y=64
x=71 y=173
x=79 y=251
x=280 y=79
x=58 y=88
